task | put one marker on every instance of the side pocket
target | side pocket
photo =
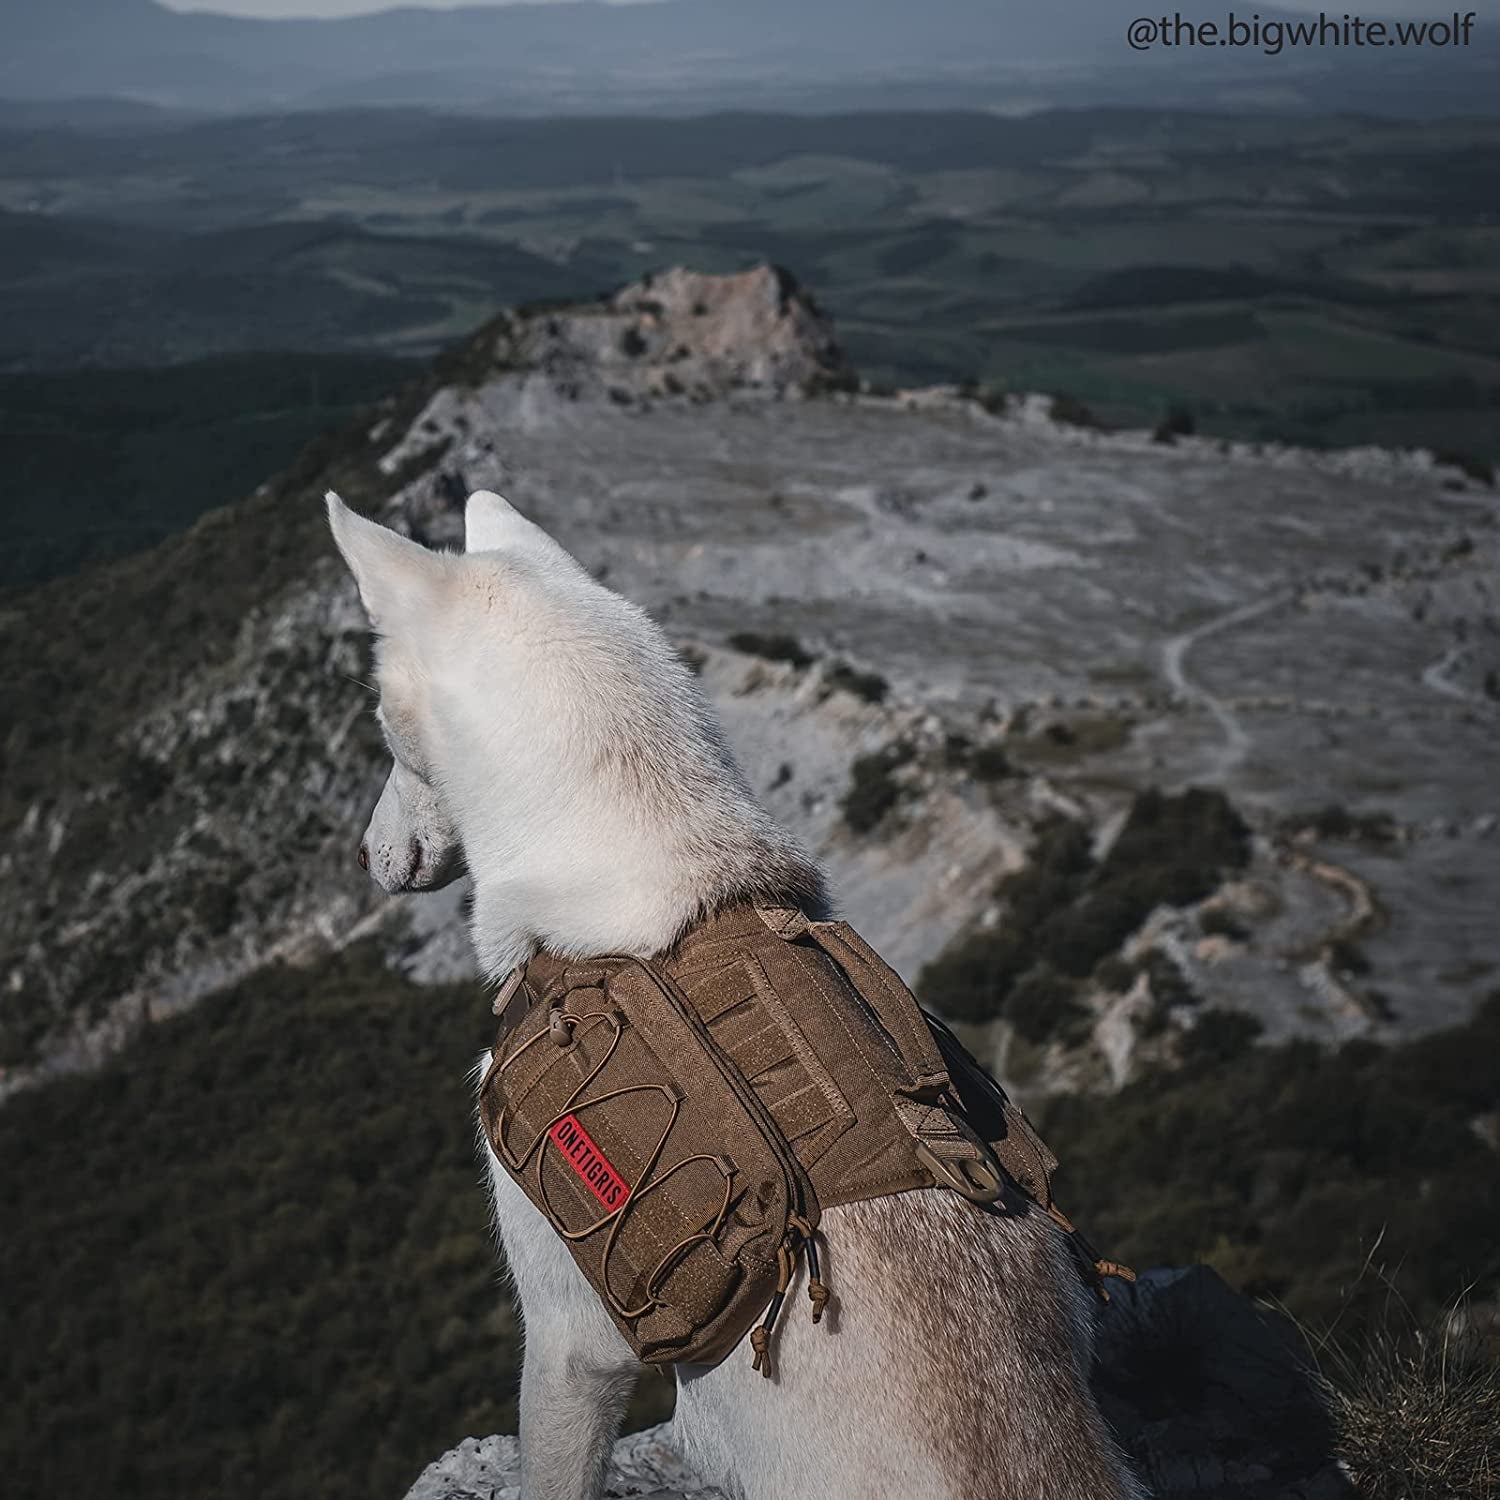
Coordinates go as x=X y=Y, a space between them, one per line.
x=656 y=1165
x=691 y=1296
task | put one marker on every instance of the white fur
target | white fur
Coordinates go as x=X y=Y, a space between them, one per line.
x=544 y=732
x=565 y=742
x=410 y=844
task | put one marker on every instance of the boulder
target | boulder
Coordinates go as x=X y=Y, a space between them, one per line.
x=643 y=1467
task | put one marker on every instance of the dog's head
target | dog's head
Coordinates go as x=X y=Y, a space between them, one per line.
x=411 y=843
x=544 y=733
x=442 y=622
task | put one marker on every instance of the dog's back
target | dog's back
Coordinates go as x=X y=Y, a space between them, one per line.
x=953 y=1365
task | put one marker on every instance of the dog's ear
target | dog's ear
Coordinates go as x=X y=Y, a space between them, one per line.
x=398 y=579
x=491 y=522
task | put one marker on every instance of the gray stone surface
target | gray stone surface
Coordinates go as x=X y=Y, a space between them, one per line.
x=1207 y=1393
x=644 y=1467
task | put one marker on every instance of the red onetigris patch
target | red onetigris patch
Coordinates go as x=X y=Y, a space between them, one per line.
x=589 y=1162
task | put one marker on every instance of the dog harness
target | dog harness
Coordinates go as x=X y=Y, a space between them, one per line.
x=683 y=1122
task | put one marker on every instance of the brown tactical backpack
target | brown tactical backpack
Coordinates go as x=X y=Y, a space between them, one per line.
x=682 y=1122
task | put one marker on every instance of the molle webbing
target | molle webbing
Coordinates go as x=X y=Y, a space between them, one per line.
x=683 y=1122
x=796 y=1005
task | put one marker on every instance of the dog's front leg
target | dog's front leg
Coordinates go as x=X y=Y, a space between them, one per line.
x=578 y=1372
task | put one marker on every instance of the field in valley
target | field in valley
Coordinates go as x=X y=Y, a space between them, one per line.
x=1327 y=280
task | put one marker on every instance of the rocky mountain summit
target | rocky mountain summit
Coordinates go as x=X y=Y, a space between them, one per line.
x=934 y=622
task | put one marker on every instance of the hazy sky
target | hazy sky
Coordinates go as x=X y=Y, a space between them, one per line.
x=1196 y=9
x=328 y=7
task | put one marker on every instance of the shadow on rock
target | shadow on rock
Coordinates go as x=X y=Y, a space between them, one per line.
x=1210 y=1395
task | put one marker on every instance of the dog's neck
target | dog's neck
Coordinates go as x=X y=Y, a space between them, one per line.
x=599 y=807
x=607 y=880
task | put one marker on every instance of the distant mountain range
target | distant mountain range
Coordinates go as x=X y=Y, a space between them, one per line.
x=688 y=55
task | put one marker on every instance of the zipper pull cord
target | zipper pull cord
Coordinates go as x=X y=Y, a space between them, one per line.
x=817 y=1292
x=801 y=1236
x=760 y=1337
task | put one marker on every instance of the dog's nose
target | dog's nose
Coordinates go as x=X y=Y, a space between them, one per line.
x=364 y=857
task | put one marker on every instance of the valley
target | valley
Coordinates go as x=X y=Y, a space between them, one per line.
x=1328 y=280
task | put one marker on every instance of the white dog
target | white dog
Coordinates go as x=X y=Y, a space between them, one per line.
x=546 y=735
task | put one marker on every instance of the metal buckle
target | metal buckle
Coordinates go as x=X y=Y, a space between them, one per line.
x=978 y=1181
x=507 y=990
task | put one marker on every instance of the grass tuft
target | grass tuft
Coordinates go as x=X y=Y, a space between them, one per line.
x=776 y=646
x=871 y=687
x=1421 y=1423
x=1071 y=412
x=1415 y=1406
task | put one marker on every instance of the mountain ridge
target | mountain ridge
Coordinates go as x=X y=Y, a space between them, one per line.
x=955 y=572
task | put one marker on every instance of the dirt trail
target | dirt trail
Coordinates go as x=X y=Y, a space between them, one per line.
x=1356 y=1007
x=1436 y=676
x=1174 y=667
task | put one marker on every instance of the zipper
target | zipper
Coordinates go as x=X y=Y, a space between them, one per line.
x=876 y=1020
x=800 y=1230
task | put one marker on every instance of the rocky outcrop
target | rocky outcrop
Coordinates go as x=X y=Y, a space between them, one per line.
x=644 y=1466
x=675 y=333
x=1209 y=1395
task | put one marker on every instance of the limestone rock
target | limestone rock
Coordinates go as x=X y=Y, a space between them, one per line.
x=644 y=1467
